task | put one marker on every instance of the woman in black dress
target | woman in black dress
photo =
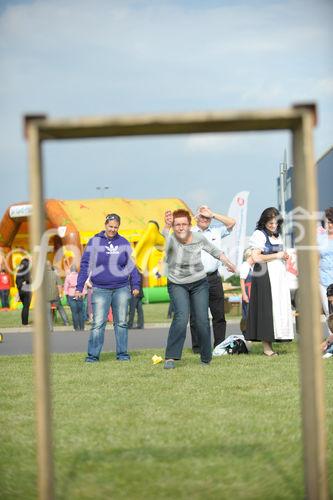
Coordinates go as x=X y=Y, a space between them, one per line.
x=269 y=316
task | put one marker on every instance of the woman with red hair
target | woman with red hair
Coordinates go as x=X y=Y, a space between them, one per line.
x=188 y=285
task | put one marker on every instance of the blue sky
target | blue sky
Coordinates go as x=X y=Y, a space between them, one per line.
x=82 y=58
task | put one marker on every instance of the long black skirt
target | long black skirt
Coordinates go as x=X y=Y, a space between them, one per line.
x=259 y=323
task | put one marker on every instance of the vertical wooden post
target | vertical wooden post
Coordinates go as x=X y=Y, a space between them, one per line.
x=312 y=381
x=41 y=330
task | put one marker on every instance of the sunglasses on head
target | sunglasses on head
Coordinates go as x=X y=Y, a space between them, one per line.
x=112 y=217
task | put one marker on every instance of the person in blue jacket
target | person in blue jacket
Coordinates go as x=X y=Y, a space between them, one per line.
x=107 y=262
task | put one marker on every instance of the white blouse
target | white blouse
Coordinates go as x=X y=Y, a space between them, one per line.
x=258 y=240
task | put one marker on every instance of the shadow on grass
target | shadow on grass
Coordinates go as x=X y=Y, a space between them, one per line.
x=143 y=458
x=256 y=352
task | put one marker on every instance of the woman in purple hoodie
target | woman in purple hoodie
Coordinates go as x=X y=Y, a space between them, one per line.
x=108 y=264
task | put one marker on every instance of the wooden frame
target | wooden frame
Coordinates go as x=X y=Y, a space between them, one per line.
x=300 y=120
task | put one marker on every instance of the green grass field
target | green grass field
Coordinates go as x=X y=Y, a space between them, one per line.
x=134 y=430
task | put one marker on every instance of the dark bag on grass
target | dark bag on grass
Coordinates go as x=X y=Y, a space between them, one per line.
x=237 y=346
x=234 y=344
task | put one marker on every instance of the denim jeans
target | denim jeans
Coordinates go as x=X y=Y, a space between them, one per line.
x=78 y=311
x=102 y=300
x=4 y=298
x=183 y=297
x=216 y=306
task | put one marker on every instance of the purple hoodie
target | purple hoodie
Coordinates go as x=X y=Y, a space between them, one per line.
x=108 y=262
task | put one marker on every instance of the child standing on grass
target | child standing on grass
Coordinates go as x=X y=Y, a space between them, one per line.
x=4 y=288
x=76 y=305
x=245 y=274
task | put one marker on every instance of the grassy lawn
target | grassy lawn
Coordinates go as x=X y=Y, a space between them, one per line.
x=137 y=431
x=154 y=313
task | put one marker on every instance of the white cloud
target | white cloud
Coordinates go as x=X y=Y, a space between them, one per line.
x=203 y=143
x=325 y=86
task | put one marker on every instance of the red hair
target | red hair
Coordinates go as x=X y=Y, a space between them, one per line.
x=182 y=213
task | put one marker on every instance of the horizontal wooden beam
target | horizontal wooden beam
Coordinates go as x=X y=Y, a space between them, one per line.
x=164 y=124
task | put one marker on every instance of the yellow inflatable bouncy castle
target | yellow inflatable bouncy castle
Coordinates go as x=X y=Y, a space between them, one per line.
x=76 y=221
x=148 y=252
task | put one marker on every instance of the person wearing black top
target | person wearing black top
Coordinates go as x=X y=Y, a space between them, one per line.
x=23 y=279
x=136 y=305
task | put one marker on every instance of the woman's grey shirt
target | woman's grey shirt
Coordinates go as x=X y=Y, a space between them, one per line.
x=183 y=261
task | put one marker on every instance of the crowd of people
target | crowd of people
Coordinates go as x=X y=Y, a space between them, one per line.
x=108 y=282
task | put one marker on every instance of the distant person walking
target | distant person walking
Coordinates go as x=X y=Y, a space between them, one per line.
x=269 y=315
x=23 y=280
x=76 y=304
x=136 y=306
x=4 y=288
x=53 y=294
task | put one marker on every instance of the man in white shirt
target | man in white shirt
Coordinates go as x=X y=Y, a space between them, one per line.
x=216 y=293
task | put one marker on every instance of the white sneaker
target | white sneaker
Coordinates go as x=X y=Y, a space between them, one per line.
x=327 y=355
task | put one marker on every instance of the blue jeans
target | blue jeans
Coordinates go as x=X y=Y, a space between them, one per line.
x=77 y=310
x=4 y=298
x=183 y=297
x=102 y=300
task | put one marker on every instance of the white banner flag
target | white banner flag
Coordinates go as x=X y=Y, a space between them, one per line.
x=233 y=245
